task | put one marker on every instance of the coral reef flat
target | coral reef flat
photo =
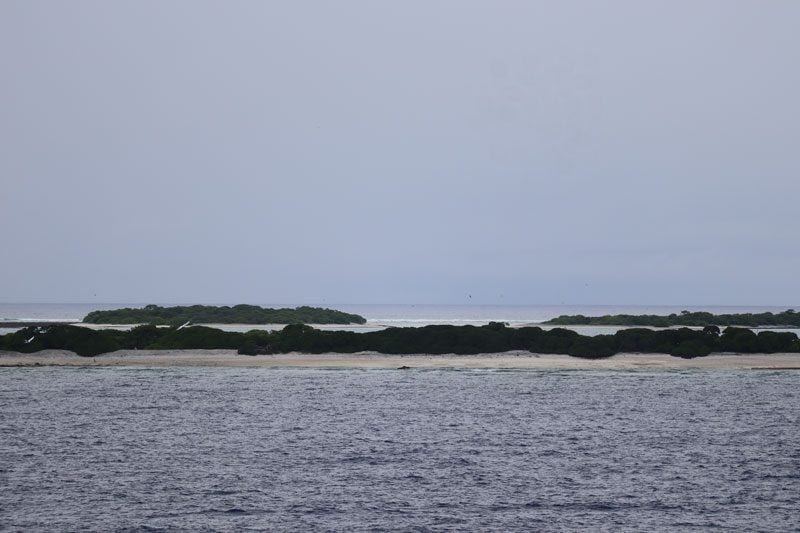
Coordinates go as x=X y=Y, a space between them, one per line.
x=367 y=360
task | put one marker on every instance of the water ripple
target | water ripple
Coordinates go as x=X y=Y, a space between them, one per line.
x=253 y=449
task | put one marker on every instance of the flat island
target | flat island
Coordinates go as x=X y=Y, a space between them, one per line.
x=212 y=314
x=786 y=319
x=494 y=337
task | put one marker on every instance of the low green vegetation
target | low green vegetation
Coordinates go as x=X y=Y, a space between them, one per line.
x=210 y=314
x=494 y=337
x=788 y=318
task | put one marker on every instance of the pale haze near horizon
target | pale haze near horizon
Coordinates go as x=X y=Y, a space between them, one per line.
x=408 y=152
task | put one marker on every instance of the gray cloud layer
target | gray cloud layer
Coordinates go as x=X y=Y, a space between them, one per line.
x=521 y=152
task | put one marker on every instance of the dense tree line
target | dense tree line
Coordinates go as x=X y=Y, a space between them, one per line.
x=788 y=318
x=494 y=337
x=211 y=314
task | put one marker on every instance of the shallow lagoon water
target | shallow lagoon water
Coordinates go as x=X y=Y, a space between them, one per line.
x=227 y=448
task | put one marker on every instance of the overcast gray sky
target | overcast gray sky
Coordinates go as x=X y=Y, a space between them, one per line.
x=526 y=152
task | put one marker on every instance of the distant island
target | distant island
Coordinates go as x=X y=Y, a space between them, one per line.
x=494 y=337
x=210 y=314
x=788 y=318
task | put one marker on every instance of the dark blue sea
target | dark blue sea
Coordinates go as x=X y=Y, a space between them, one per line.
x=238 y=449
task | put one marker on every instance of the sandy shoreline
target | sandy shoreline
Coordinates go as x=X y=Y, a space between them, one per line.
x=366 y=360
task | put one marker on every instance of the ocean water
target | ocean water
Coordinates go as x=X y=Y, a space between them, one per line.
x=221 y=449
x=399 y=314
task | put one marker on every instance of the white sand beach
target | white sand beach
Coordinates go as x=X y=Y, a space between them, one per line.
x=507 y=360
